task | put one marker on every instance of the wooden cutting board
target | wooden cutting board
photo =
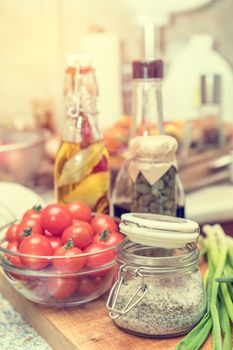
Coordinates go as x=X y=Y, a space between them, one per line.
x=86 y=327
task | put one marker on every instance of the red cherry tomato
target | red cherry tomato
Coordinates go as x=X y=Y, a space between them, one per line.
x=61 y=288
x=14 y=259
x=98 y=281
x=84 y=224
x=55 y=242
x=35 y=216
x=34 y=213
x=11 y=235
x=86 y=286
x=68 y=262
x=35 y=245
x=55 y=218
x=101 y=223
x=13 y=246
x=99 y=259
x=28 y=226
x=48 y=234
x=38 y=287
x=109 y=239
x=79 y=211
x=33 y=210
x=80 y=235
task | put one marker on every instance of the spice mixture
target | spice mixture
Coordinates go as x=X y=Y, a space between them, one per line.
x=172 y=305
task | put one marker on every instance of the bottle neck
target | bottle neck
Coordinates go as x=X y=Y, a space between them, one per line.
x=81 y=93
x=147 y=107
x=69 y=87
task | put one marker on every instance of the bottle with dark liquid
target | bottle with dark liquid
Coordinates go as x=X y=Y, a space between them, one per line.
x=147 y=120
x=180 y=195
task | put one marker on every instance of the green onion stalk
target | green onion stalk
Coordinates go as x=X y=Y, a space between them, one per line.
x=217 y=281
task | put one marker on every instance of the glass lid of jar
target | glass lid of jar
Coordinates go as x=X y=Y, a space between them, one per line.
x=159 y=230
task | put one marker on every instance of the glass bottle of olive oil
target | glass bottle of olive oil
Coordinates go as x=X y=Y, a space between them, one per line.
x=82 y=162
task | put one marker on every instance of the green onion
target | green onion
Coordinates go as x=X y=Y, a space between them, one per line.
x=224 y=279
x=230 y=288
x=218 y=282
x=230 y=251
x=227 y=300
x=197 y=336
x=219 y=259
x=225 y=326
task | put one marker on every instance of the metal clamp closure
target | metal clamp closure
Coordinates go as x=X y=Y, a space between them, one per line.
x=115 y=291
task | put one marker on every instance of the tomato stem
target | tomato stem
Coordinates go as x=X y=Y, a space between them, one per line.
x=104 y=235
x=37 y=208
x=69 y=244
x=27 y=232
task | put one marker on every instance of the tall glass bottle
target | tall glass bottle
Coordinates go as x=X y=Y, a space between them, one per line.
x=147 y=115
x=147 y=98
x=82 y=162
x=212 y=132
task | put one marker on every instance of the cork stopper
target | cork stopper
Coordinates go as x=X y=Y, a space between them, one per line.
x=84 y=60
x=153 y=148
x=78 y=62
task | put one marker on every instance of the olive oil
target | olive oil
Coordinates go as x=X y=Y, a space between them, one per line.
x=82 y=163
x=83 y=174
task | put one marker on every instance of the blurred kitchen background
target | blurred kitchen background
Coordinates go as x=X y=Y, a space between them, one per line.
x=36 y=37
x=193 y=37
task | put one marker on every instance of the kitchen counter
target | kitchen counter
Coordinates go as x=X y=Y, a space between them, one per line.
x=202 y=205
x=213 y=204
x=15 y=333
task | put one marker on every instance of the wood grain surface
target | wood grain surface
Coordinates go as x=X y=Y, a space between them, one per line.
x=86 y=327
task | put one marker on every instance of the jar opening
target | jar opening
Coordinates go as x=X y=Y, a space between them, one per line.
x=131 y=253
x=161 y=218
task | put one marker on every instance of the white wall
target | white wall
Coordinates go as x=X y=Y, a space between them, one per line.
x=29 y=55
x=36 y=35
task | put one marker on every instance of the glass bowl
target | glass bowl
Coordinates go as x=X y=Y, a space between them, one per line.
x=21 y=153
x=59 y=288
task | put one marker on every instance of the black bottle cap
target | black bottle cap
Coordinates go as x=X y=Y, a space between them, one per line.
x=147 y=69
